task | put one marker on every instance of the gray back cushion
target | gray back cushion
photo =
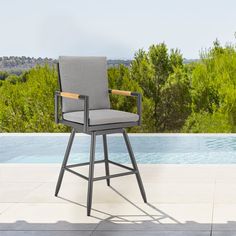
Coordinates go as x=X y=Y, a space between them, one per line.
x=86 y=76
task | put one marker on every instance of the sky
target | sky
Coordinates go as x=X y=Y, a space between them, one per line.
x=113 y=28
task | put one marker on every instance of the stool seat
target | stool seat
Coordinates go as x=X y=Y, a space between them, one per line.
x=101 y=117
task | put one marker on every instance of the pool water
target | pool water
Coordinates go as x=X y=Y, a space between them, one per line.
x=153 y=149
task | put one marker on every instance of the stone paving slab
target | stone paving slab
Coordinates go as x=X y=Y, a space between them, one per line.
x=183 y=200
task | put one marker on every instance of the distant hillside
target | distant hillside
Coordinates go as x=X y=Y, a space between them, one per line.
x=117 y=62
x=18 y=64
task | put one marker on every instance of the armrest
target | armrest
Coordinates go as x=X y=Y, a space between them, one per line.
x=73 y=96
x=129 y=93
x=70 y=95
x=120 y=92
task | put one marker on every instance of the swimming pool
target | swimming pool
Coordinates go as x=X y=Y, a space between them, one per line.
x=148 y=148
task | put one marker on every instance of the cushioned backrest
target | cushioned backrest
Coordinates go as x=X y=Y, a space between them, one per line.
x=86 y=76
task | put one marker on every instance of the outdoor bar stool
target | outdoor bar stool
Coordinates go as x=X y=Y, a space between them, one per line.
x=83 y=104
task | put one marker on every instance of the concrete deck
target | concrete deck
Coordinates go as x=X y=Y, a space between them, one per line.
x=193 y=200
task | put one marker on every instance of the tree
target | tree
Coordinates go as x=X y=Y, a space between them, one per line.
x=29 y=106
x=176 y=100
x=214 y=91
x=156 y=71
x=3 y=75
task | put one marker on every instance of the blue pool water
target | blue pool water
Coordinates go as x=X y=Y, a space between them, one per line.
x=166 y=149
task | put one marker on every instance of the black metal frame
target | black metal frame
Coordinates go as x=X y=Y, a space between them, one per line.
x=94 y=131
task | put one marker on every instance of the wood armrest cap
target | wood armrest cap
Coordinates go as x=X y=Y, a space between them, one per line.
x=121 y=92
x=70 y=95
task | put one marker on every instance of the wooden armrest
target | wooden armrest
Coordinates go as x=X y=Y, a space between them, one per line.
x=121 y=92
x=70 y=95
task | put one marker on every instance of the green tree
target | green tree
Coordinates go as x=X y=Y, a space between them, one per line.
x=176 y=100
x=29 y=106
x=159 y=73
x=3 y=75
x=204 y=122
x=214 y=91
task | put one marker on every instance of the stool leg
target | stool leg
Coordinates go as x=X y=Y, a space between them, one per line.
x=133 y=161
x=91 y=173
x=106 y=158
x=67 y=153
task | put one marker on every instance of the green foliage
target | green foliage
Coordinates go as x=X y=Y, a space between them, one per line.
x=3 y=75
x=177 y=97
x=164 y=81
x=176 y=100
x=13 y=79
x=213 y=91
x=207 y=123
x=29 y=106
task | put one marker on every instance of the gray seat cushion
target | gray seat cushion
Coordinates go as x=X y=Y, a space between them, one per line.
x=102 y=116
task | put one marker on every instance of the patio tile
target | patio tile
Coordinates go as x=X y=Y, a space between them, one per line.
x=73 y=193
x=225 y=193
x=4 y=206
x=14 y=192
x=43 y=194
x=55 y=216
x=157 y=173
x=166 y=192
x=151 y=233
x=180 y=197
x=46 y=233
x=28 y=172
x=224 y=233
x=226 y=174
x=178 y=173
x=155 y=216
x=122 y=190
x=150 y=173
x=224 y=217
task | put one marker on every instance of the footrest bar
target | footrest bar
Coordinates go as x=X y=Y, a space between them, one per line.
x=84 y=164
x=115 y=175
x=76 y=173
x=120 y=165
